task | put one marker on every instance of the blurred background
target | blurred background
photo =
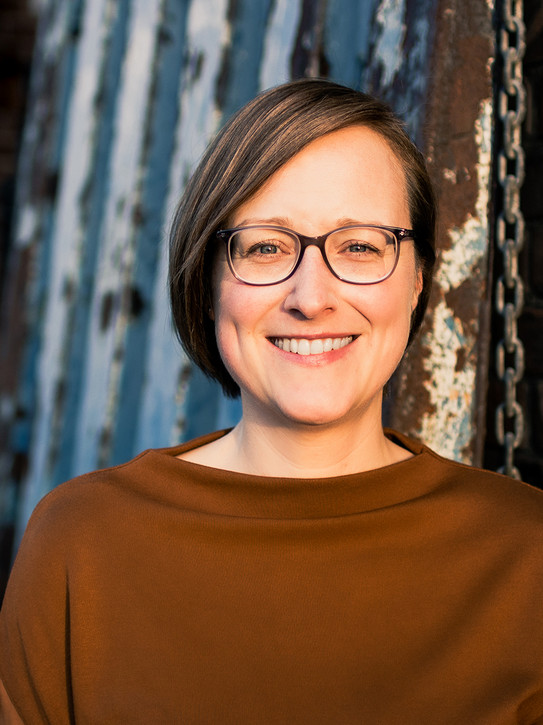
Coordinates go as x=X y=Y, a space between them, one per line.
x=106 y=105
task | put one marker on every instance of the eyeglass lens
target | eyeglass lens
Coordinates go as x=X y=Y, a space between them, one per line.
x=262 y=255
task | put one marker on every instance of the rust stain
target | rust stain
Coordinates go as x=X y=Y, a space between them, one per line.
x=461 y=86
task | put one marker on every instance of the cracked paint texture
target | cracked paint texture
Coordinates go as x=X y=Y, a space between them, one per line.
x=451 y=362
x=388 y=50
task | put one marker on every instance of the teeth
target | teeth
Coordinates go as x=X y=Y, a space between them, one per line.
x=311 y=347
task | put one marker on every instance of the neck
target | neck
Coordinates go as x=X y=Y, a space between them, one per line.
x=271 y=448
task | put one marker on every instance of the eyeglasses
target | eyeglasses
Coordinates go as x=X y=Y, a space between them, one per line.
x=264 y=255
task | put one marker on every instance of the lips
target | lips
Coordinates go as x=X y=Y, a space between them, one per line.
x=302 y=346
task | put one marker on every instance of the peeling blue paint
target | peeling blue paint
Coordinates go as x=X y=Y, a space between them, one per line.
x=91 y=210
x=390 y=38
x=347 y=39
x=163 y=114
x=279 y=39
x=241 y=64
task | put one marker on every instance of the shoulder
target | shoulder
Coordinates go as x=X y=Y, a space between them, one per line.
x=155 y=475
x=81 y=526
x=96 y=506
x=86 y=494
x=480 y=490
x=476 y=477
x=111 y=499
x=505 y=499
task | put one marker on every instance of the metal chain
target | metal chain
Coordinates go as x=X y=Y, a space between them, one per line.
x=510 y=232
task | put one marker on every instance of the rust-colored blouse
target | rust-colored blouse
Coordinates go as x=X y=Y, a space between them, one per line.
x=164 y=592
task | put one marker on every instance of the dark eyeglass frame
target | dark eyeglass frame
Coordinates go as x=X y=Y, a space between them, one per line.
x=399 y=233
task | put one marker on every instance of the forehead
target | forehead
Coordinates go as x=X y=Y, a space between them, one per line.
x=349 y=172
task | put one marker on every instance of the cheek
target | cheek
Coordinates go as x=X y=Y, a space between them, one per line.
x=389 y=314
x=232 y=309
x=226 y=335
x=390 y=305
x=239 y=332
x=238 y=310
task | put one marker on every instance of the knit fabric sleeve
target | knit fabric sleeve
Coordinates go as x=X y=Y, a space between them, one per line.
x=34 y=623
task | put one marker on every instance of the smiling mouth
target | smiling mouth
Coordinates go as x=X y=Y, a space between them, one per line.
x=301 y=346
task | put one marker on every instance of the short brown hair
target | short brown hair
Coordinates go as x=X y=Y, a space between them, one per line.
x=253 y=145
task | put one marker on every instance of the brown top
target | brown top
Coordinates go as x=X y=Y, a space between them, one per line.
x=161 y=591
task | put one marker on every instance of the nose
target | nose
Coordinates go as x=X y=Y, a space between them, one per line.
x=312 y=288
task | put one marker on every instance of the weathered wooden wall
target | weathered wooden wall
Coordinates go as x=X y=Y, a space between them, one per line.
x=125 y=95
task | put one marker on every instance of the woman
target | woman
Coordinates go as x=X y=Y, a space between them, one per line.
x=306 y=566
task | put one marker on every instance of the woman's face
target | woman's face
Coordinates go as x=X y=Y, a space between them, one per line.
x=349 y=176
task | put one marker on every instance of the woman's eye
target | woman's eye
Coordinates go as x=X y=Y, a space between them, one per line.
x=264 y=249
x=361 y=248
x=268 y=249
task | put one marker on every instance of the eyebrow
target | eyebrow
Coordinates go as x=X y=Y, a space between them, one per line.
x=276 y=221
x=286 y=222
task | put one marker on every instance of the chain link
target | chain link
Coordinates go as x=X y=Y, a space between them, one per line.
x=510 y=232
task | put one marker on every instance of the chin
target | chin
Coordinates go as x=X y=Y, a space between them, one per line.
x=305 y=403
x=311 y=421
x=320 y=414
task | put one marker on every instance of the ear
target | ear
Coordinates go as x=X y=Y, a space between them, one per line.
x=417 y=288
x=210 y=313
